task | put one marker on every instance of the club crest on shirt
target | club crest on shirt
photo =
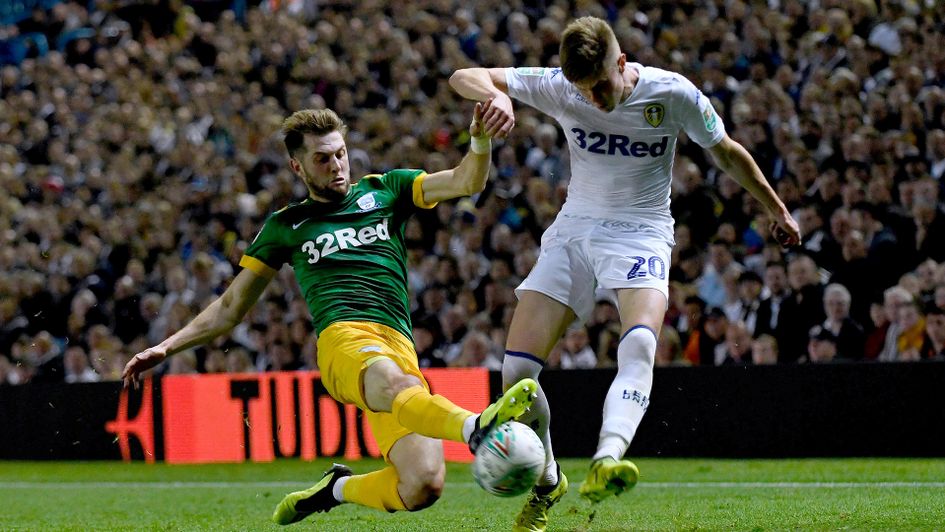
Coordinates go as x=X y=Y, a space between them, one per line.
x=367 y=202
x=654 y=114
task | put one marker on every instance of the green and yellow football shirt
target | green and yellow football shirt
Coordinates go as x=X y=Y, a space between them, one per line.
x=349 y=257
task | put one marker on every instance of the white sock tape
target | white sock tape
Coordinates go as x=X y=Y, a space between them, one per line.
x=481 y=145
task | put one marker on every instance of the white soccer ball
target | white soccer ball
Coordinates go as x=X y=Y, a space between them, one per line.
x=509 y=460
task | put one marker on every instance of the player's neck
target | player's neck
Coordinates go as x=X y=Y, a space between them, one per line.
x=323 y=200
x=630 y=78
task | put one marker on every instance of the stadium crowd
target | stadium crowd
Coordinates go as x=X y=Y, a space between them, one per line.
x=139 y=155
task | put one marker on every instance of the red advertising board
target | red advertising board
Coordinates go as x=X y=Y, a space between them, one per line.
x=264 y=416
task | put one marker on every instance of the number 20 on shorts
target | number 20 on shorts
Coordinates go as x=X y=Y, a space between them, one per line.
x=655 y=266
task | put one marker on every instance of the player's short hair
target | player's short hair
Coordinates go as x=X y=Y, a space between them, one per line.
x=309 y=121
x=585 y=47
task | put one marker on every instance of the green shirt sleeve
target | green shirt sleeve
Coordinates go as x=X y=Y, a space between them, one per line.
x=407 y=185
x=268 y=251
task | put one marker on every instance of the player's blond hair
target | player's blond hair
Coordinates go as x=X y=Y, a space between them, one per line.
x=586 y=46
x=310 y=121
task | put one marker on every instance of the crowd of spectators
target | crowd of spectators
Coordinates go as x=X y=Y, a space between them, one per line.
x=139 y=158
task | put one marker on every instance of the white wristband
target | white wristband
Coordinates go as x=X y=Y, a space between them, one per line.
x=481 y=145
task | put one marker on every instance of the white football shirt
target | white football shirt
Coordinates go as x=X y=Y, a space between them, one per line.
x=622 y=161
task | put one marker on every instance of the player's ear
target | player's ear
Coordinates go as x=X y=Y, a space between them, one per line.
x=295 y=165
x=621 y=62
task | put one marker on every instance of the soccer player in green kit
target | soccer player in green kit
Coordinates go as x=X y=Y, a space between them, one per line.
x=346 y=244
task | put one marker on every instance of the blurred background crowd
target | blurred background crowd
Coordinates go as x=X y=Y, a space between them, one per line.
x=139 y=154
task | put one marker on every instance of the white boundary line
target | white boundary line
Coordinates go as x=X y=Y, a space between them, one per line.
x=302 y=483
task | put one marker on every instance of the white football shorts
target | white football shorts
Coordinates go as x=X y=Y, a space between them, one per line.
x=583 y=260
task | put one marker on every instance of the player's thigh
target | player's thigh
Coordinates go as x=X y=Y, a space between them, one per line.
x=347 y=349
x=418 y=460
x=641 y=306
x=635 y=266
x=558 y=290
x=537 y=324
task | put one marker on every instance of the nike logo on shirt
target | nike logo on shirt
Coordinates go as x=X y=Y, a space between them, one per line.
x=296 y=226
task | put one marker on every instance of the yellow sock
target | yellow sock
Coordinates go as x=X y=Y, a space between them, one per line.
x=430 y=415
x=376 y=490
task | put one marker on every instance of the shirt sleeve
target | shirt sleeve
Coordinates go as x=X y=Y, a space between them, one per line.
x=542 y=88
x=699 y=119
x=407 y=185
x=266 y=254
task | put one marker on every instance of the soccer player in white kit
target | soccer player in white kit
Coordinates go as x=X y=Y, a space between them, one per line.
x=614 y=232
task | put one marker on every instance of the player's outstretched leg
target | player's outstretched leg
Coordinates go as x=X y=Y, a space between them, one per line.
x=609 y=477
x=534 y=515
x=512 y=404
x=319 y=498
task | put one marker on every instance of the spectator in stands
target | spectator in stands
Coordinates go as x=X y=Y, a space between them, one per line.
x=477 y=351
x=604 y=332
x=821 y=346
x=9 y=373
x=912 y=325
x=853 y=273
x=801 y=310
x=736 y=349
x=425 y=342
x=712 y=281
x=184 y=363
x=750 y=309
x=764 y=350
x=711 y=337
x=894 y=299
x=929 y=225
x=77 y=368
x=692 y=323
x=776 y=289
x=576 y=352
x=669 y=348
x=214 y=361
x=849 y=334
x=239 y=361
x=98 y=140
x=876 y=335
x=44 y=356
x=933 y=348
x=812 y=227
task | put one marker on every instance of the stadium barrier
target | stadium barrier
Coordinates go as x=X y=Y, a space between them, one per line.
x=826 y=410
x=205 y=418
x=735 y=412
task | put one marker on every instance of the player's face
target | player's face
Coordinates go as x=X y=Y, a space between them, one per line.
x=322 y=163
x=606 y=90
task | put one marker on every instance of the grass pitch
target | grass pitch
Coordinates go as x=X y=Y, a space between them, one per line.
x=694 y=494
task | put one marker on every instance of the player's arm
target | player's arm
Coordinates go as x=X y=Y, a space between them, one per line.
x=219 y=317
x=733 y=159
x=470 y=176
x=484 y=84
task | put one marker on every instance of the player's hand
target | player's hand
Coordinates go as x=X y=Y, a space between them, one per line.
x=476 y=127
x=142 y=362
x=498 y=118
x=785 y=230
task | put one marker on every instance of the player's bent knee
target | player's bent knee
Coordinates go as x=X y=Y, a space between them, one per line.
x=422 y=489
x=637 y=346
x=383 y=381
x=398 y=382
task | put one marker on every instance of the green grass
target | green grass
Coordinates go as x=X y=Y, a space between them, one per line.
x=859 y=494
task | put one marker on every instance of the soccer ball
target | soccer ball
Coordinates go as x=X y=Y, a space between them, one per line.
x=509 y=460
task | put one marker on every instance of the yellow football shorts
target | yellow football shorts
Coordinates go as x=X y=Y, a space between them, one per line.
x=346 y=349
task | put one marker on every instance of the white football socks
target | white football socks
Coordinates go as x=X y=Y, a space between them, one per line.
x=338 y=489
x=469 y=426
x=628 y=396
x=515 y=367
